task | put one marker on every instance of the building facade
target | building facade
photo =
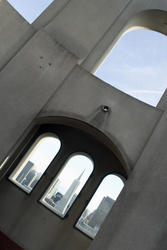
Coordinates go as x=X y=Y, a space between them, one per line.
x=47 y=85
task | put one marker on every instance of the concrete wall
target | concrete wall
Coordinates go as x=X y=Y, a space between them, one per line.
x=138 y=219
x=50 y=13
x=123 y=124
x=14 y=32
x=27 y=83
x=45 y=70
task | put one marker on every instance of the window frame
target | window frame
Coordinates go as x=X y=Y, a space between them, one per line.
x=122 y=178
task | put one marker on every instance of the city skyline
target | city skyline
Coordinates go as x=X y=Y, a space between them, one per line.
x=60 y=202
x=110 y=186
x=27 y=178
x=91 y=221
x=76 y=165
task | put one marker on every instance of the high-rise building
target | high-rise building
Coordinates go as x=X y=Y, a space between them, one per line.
x=24 y=172
x=30 y=177
x=97 y=217
x=54 y=189
x=35 y=179
x=64 y=202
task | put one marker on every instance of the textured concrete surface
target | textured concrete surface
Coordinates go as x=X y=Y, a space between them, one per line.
x=123 y=125
x=83 y=23
x=50 y=13
x=27 y=82
x=14 y=32
x=45 y=71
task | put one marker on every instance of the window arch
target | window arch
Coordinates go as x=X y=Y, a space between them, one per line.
x=100 y=205
x=35 y=161
x=65 y=188
x=75 y=140
x=137 y=65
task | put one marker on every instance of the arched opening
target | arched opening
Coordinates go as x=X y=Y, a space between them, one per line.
x=77 y=139
x=137 y=63
x=65 y=188
x=100 y=205
x=35 y=162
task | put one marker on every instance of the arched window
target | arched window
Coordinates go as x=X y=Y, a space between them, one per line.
x=137 y=65
x=65 y=188
x=100 y=205
x=35 y=162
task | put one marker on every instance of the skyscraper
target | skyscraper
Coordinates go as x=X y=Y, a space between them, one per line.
x=24 y=172
x=63 y=204
x=30 y=177
x=97 y=217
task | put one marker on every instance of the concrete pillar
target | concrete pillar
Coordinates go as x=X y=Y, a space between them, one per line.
x=138 y=219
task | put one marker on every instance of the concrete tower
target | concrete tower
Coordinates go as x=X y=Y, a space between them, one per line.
x=47 y=85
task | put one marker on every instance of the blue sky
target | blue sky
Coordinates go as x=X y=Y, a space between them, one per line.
x=137 y=65
x=30 y=9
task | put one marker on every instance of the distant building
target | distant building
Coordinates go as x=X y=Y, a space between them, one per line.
x=58 y=196
x=54 y=189
x=97 y=217
x=63 y=204
x=24 y=171
x=35 y=180
x=29 y=178
x=54 y=199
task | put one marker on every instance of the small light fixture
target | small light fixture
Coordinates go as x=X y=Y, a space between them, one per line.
x=105 y=108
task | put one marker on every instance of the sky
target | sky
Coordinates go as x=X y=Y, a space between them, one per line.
x=30 y=9
x=43 y=153
x=137 y=65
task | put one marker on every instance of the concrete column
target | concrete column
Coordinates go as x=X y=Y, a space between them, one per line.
x=138 y=219
x=14 y=32
x=27 y=83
